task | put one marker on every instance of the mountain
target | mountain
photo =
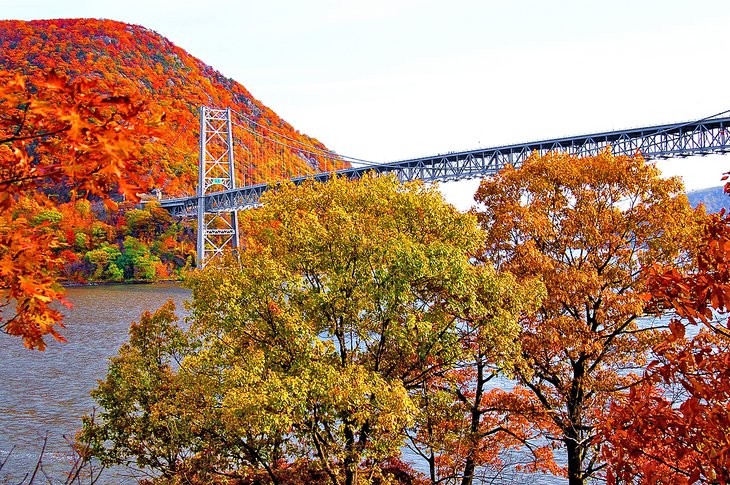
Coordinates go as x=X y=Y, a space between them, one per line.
x=121 y=242
x=133 y=60
x=714 y=199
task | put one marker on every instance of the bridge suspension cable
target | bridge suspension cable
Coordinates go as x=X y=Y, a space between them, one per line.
x=306 y=148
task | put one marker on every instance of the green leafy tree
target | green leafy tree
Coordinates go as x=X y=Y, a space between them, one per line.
x=104 y=261
x=49 y=216
x=100 y=234
x=114 y=273
x=141 y=396
x=139 y=222
x=136 y=260
x=81 y=241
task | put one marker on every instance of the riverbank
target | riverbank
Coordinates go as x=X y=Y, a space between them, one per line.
x=84 y=284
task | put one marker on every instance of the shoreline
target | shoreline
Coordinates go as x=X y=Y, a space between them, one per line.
x=77 y=284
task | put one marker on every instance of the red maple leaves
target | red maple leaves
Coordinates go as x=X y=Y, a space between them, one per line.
x=675 y=427
x=55 y=132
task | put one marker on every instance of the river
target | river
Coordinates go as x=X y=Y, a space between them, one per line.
x=46 y=393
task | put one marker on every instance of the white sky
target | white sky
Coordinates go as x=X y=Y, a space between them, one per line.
x=385 y=80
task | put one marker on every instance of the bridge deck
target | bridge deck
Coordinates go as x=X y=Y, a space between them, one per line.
x=673 y=140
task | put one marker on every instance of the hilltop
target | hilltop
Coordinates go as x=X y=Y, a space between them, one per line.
x=714 y=199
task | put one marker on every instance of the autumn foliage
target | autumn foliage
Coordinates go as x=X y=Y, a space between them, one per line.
x=365 y=316
x=133 y=61
x=674 y=426
x=587 y=228
x=81 y=107
x=327 y=343
x=122 y=63
x=53 y=133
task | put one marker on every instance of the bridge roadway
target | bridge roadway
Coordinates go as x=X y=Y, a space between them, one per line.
x=674 y=140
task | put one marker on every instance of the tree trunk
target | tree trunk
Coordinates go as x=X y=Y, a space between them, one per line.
x=576 y=403
x=468 y=472
x=575 y=462
x=476 y=416
x=349 y=450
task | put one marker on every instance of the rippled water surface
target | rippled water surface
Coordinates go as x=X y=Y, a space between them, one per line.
x=46 y=393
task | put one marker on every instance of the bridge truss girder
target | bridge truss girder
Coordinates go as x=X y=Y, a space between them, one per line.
x=675 y=140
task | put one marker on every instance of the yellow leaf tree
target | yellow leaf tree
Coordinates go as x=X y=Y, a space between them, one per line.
x=310 y=344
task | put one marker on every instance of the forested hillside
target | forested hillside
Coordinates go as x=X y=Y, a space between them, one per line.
x=123 y=242
x=713 y=198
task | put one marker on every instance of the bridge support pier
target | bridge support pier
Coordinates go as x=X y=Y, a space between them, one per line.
x=217 y=230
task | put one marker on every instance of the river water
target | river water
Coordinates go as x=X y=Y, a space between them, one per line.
x=43 y=395
x=46 y=393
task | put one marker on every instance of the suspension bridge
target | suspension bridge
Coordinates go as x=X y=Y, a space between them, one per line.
x=219 y=198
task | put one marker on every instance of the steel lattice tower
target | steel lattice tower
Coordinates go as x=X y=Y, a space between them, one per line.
x=217 y=230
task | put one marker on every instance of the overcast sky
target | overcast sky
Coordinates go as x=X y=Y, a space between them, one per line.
x=384 y=80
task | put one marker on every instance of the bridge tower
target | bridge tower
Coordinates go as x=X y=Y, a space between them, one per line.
x=217 y=230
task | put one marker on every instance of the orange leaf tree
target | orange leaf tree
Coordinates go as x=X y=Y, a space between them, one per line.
x=675 y=426
x=55 y=132
x=586 y=227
